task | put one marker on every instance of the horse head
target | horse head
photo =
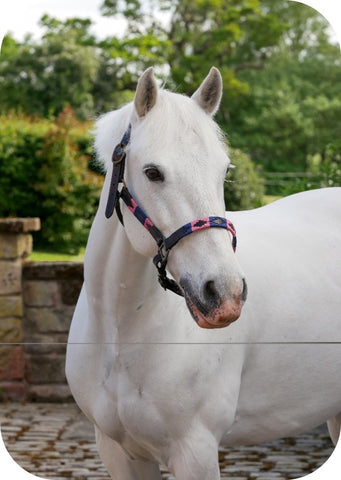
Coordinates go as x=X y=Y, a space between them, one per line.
x=176 y=164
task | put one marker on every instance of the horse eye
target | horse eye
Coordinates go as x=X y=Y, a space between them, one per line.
x=153 y=174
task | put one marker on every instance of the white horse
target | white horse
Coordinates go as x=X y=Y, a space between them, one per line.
x=159 y=388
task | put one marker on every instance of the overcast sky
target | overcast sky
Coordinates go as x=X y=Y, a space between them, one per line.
x=22 y=16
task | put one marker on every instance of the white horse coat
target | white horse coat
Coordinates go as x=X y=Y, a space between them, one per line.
x=160 y=389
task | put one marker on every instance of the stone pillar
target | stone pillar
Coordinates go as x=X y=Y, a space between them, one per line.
x=15 y=246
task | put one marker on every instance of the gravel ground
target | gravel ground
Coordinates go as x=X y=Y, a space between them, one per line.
x=57 y=442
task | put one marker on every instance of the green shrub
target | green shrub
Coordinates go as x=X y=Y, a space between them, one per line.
x=244 y=187
x=322 y=171
x=44 y=173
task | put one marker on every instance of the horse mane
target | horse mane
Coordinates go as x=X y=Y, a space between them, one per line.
x=108 y=131
x=188 y=116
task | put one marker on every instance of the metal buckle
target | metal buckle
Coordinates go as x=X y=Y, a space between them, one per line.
x=118 y=155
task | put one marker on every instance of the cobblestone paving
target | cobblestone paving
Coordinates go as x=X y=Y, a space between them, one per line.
x=57 y=442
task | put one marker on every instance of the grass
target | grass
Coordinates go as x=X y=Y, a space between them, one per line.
x=270 y=198
x=46 y=256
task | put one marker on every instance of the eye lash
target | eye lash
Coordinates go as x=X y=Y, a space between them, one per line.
x=229 y=168
x=151 y=165
x=228 y=171
x=159 y=175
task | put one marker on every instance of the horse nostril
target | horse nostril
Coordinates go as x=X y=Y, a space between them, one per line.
x=210 y=294
x=244 y=292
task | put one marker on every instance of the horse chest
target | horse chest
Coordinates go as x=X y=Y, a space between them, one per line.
x=156 y=405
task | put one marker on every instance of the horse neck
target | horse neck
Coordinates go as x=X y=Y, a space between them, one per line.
x=118 y=280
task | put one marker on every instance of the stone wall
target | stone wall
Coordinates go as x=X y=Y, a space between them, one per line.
x=37 y=301
x=50 y=292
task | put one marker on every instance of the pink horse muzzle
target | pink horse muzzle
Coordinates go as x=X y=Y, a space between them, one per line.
x=221 y=317
x=212 y=312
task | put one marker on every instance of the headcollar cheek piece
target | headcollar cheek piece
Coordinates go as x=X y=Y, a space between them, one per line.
x=164 y=244
x=118 y=159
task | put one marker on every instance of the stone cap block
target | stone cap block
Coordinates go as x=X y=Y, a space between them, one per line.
x=15 y=245
x=52 y=270
x=19 y=225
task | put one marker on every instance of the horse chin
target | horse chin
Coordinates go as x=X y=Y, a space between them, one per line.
x=220 y=317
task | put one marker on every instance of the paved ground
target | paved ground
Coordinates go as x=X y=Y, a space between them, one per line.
x=57 y=442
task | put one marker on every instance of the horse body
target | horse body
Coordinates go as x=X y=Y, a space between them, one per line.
x=162 y=390
x=285 y=250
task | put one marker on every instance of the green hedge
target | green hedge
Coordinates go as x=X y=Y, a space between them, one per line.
x=44 y=172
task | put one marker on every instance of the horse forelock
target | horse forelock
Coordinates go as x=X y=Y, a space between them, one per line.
x=174 y=118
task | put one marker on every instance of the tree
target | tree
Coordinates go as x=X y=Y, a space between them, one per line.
x=294 y=103
x=43 y=77
x=200 y=33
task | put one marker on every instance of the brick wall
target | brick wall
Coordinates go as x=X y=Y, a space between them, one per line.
x=37 y=301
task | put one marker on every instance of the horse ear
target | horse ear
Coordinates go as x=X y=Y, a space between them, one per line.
x=209 y=93
x=146 y=93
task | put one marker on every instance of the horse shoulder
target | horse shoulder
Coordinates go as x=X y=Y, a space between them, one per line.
x=90 y=369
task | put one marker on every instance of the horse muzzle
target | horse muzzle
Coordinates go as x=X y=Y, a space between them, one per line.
x=212 y=309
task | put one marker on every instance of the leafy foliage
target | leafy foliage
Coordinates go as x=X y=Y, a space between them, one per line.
x=292 y=109
x=323 y=171
x=43 y=78
x=43 y=173
x=244 y=187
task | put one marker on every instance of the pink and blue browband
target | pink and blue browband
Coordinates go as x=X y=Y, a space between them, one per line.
x=164 y=244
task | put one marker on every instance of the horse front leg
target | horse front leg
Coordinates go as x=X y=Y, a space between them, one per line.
x=120 y=465
x=195 y=458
